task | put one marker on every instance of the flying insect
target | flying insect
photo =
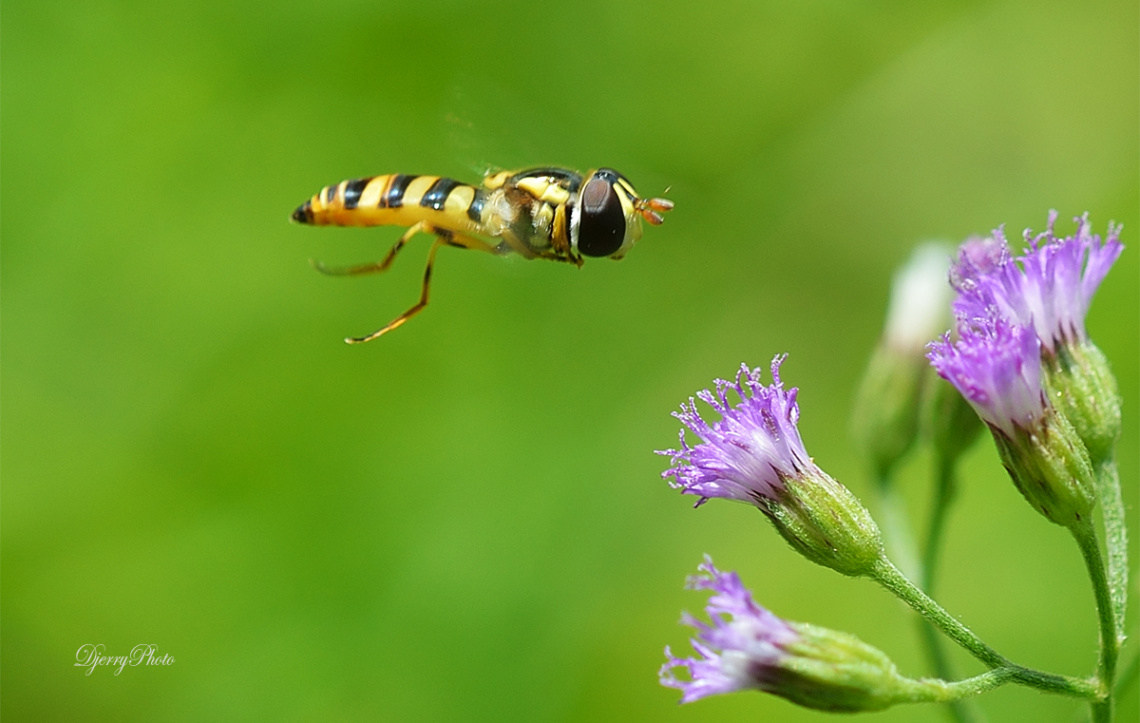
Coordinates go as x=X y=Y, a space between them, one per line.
x=538 y=213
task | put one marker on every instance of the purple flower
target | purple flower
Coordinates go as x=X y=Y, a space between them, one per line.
x=748 y=648
x=754 y=454
x=1048 y=289
x=977 y=257
x=733 y=654
x=996 y=366
x=749 y=453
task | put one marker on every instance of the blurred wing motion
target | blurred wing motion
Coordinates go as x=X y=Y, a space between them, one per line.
x=540 y=213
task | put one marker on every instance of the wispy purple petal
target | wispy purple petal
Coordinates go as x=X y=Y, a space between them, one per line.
x=996 y=366
x=750 y=451
x=740 y=647
x=1049 y=288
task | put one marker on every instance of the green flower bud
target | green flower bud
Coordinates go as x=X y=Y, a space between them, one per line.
x=885 y=418
x=1081 y=386
x=886 y=412
x=836 y=671
x=1050 y=467
x=823 y=521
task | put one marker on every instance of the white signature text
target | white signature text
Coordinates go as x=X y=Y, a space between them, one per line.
x=92 y=655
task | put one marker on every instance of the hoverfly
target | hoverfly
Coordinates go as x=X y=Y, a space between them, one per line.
x=538 y=213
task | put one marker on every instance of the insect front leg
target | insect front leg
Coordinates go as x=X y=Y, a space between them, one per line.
x=569 y=258
x=376 y=266
x=511 y=242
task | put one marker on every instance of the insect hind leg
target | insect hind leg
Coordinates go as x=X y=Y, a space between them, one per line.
x=443 y=238
x=374 y=267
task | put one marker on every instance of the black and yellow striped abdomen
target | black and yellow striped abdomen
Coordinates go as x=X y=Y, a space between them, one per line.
x=397 y=200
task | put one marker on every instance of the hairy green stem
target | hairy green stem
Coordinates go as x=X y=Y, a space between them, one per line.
x=958 y=691
x=1085 y=536
x=887 y=575
x=945 y=490
x=1116 y=540
x=962 y=710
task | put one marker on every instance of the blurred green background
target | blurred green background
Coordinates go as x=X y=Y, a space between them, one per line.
x=464 y=520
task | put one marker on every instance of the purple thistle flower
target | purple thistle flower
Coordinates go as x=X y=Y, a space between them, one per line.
x=977 y=257
x=1048 y=288
x=996 y=366
x=751 y=451
x=734 y=654
x=754 y=454
x=748 y=648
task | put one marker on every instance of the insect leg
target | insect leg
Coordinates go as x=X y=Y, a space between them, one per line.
x=444 y=238
x=463 y=241
x=570 y=259
x=376 y=266
x=511 y=242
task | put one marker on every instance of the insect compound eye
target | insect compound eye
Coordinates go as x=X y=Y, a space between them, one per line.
x=601 y=229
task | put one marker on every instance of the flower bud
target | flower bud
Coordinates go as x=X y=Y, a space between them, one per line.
x=1081 y=386
x=885 y=414
x=825 y=523
x=884 y=420
x=1051 y=468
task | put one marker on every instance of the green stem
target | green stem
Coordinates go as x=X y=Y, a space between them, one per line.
x=945 y=489
x=1116 y=540
x=958 y=691
x=960 y=709
x=944 y=494
x=1109 y=646
x=900 y=543
x=887 y=575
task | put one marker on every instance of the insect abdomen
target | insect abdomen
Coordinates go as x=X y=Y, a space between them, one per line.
x=396 y=199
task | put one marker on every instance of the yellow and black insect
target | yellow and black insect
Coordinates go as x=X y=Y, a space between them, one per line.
x=539 y=213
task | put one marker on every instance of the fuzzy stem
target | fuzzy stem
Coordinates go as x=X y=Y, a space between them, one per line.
x=1116 y=541
x=958 y=691
x=887 y=575
x=900 y=543
x=1109 y=646
x=945 y=489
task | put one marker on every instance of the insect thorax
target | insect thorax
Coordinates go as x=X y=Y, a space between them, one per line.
x=535 y=206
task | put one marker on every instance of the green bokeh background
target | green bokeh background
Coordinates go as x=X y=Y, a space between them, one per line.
x=464 y=520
